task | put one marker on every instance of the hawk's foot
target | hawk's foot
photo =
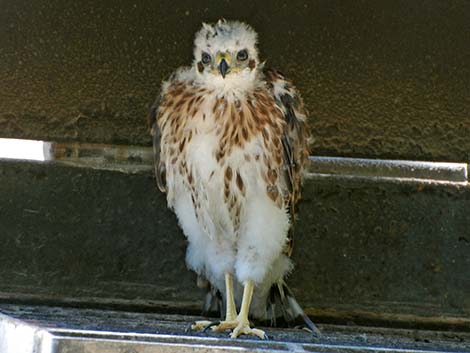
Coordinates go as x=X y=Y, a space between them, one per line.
x=203 y=325
x=239 y=328
x=225 y=325
x=243 y=328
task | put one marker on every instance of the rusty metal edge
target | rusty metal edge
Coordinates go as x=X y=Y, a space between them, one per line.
x=139 y=159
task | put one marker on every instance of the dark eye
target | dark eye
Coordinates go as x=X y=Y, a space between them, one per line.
x=242 y=55
x=205 y=58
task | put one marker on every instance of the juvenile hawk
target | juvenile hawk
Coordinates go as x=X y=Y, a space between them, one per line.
x=230 y=143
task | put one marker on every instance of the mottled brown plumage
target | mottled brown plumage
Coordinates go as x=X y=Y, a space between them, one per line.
x=285 y=136
x=230 y=147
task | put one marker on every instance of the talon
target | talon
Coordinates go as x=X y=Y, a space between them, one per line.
x=225 y=325
x=211 y=325
x=260 y=333
x=200 y=325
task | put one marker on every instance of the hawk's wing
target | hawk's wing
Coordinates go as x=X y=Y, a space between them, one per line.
x=156 y=136
x=294 y=140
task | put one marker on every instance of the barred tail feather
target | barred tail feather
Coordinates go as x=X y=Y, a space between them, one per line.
x=281 y=304
x=281 y=301
x=213 y=302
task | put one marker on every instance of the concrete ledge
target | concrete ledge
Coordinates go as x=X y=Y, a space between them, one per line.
x=29 y=329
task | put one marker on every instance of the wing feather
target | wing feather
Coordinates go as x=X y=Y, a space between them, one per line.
x=159 y=166
x=294 y=140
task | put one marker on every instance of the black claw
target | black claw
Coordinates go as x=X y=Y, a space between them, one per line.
x=316 y=332
x=266 y=337
x=213 y=323
x=313 y=328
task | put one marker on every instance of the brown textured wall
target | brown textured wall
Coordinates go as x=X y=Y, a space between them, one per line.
x=380 y=78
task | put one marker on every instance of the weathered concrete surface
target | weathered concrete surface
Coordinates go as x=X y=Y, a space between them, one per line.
x=69 y=330
x=381 y=78
x=364 y=251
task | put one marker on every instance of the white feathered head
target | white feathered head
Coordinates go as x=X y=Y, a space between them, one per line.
x=226 y=50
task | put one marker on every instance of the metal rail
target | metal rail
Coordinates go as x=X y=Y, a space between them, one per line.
x=138 y=159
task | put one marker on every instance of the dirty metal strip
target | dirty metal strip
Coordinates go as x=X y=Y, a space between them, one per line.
x=126 y=159
x=138 y=159
x=389 y=169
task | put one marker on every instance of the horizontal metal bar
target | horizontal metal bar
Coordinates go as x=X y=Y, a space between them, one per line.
x=395 y=169
x=128 y=159
x=137 y=159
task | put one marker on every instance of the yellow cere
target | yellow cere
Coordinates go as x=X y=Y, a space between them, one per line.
x=226 y=56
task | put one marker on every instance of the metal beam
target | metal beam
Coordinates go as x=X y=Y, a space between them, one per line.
x=137 y=159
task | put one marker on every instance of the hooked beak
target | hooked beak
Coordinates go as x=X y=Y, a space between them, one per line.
x=223 y=67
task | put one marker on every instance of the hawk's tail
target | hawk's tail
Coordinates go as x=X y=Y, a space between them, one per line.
x=281 y=302
x=213 y=302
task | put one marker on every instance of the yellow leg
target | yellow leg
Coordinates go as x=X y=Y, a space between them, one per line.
x=230 y=313
x=231 y=310
x=239 y=323
x=243 y=326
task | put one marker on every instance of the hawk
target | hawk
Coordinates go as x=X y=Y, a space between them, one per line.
x=230 y=142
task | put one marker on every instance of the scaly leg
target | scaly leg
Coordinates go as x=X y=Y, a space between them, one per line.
x=231 y=310
x=240 y=324
x=230 y=314
x=243 y=326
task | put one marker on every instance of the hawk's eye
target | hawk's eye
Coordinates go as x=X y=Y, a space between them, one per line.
x=242 y=55
x=205 y=58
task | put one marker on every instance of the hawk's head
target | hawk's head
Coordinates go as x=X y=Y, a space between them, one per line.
x=225 y=54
